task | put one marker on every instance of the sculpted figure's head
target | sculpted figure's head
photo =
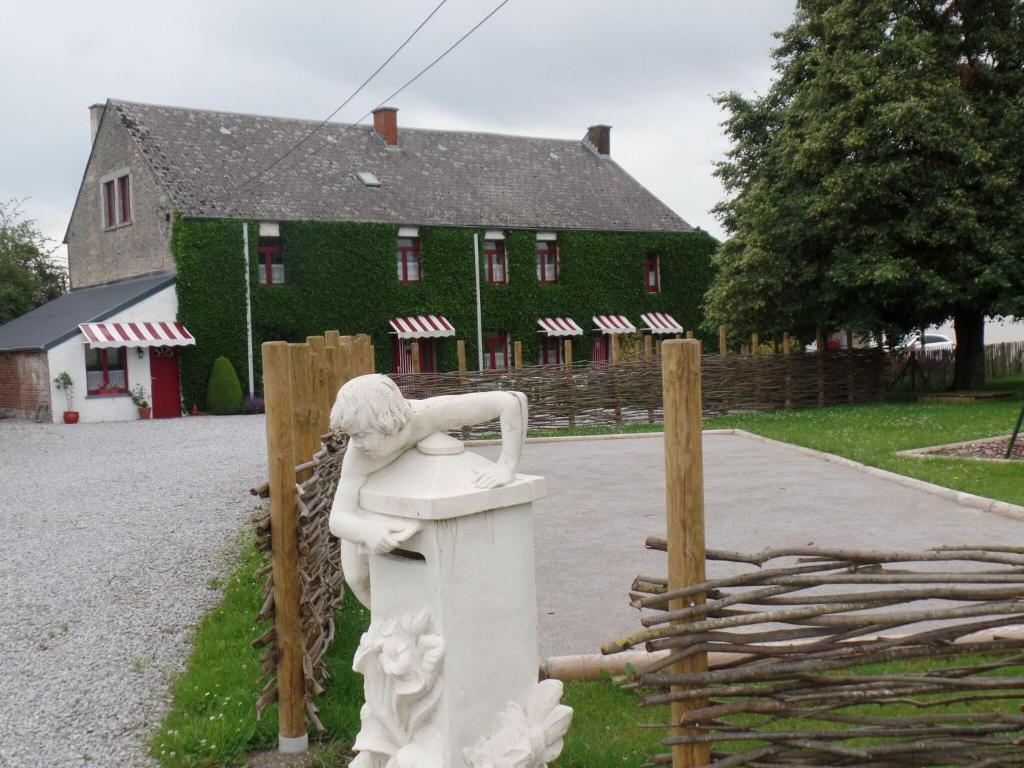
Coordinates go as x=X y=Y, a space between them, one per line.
x=368 y=408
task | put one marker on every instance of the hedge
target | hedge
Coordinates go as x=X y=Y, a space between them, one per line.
x=342 y=275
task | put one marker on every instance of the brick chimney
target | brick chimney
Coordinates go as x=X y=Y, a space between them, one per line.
x=95 y=113
x=385 y=125
x=599 y=137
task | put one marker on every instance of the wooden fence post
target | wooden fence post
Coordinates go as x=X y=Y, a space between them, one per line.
x=460 y=350
x=415 y=355
x=292 y=735
x=819 y=345
x=723 y=341
x=849 y=365
x=689 y=335
x=788 y=374
x=518 y=354
x=321 y=386
x=305 y=434
x=568 y=381
x=684 y=494
x=648 y=349
x=723 y=352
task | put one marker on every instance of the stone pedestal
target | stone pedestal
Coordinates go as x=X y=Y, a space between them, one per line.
x=452 y=648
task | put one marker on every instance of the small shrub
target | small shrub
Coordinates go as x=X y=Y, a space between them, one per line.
x=224 y=393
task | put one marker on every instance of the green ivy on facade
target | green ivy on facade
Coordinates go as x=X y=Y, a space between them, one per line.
x=342 y=275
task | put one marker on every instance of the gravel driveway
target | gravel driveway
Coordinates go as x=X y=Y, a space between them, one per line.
x=109 y=537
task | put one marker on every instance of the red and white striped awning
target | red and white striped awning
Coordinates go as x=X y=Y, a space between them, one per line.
x=613 y=324
x=559 y=326
x=422 y=327
x=155 y=333
x=661 y=322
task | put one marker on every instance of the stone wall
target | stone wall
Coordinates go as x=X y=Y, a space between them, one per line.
x=26 y=385
x=97 y=254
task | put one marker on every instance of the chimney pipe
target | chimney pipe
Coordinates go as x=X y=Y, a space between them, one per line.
x=599 y=137
x=385 y=125
x=95 y=113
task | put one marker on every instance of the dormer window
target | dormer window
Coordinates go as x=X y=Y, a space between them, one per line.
x=368 y=179
x=408 y=252
x=117 y=200
x=271 y=255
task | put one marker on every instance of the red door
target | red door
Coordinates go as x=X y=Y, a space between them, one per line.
x=599 y=352
x=165 y=385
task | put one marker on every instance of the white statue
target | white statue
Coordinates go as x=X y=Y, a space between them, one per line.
x=382 y=425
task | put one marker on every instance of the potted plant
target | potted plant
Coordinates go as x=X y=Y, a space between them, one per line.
x=141 y=400
x=66 y=384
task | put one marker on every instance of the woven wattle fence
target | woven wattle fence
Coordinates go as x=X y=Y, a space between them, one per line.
x=320 y=576
x=631 y=392
x=807 y=640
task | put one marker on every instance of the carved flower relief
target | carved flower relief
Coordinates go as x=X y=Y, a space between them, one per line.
x=400 y=660
x=529 y=738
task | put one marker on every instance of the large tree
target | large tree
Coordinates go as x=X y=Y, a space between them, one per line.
x=29 y=277
x=879 y=183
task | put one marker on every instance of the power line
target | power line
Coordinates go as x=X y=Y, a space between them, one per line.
x=409 y=82
x=343 y=104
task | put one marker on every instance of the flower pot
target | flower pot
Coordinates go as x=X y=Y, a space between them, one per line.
x=144 y=412
x=70 y=417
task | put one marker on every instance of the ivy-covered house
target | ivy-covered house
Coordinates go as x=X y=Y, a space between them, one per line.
x=400 y=234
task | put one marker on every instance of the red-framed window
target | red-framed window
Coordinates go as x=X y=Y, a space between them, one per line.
x=271 y=261
x=496 y=352
x=409 y=266
x=117 y=201
x=551 y=350
x=547 y=261
x=652 y=273
x=495 y=263
x=106 y=371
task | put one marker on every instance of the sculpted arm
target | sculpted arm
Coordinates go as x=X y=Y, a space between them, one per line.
x=446 y=413
x=348 y=521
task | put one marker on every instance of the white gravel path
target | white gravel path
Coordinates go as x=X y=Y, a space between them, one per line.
x=110 y=535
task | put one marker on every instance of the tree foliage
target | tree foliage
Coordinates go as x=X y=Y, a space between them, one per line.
x=28 y=275
x=877 y=184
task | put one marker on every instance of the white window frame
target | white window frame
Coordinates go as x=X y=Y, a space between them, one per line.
x=115 y=177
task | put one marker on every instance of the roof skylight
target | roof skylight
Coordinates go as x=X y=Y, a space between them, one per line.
x=368 y=179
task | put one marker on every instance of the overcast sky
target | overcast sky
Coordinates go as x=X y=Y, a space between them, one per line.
x=538 y=67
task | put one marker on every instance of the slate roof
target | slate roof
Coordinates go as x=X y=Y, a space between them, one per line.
x=56 y=321
x=436 y=177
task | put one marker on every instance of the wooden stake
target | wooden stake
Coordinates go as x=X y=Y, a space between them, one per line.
x=649 y=349
x=568 y=379
x=689 y=334
x=321 y=385
x=305 y=437
x=284 y=545
x=755 y=344
x=460 y=350
x=517 y=351
x=613 y=348
x=789 y=377
x=346 y=360
x=723 y=351
x=819 y=345
x=849 y=365
x=723 y=341
x=684 y=492
x=415 y=355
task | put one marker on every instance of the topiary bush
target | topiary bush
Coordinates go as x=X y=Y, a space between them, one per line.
x=224 y=393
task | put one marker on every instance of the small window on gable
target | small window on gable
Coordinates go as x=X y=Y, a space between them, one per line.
x=271 y=255
x=117 y=201
x=495 y=262
x=547 y=258
x=408 y=255
x=652 y=273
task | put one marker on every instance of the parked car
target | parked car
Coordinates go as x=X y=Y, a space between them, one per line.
x=933 y=342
